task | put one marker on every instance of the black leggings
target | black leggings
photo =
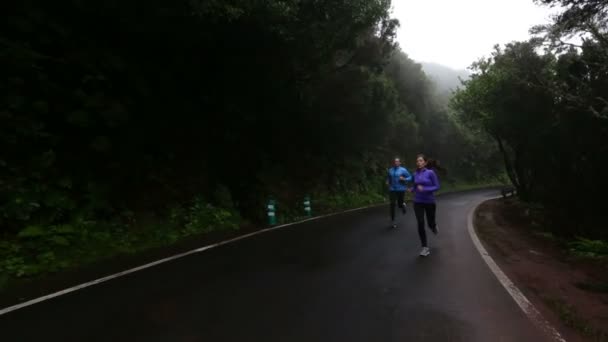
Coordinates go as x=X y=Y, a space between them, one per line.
x=396 y=197
x=420 y=209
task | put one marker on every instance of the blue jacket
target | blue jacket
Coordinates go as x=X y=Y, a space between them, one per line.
x=393 y=178
x=430 y=183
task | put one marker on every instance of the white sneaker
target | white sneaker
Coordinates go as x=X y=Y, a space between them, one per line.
x=425 y=251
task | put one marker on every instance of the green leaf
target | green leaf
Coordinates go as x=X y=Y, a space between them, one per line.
x=60 y=240
x=64 y=264
x=46 y=257
x=64 y=229
x=79 y=118
x=65 y=183
x=31 y=232
x=101 y=144
x=41 y=106
x=4 y=278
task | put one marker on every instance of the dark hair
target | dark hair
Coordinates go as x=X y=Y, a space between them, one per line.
x=430 y=163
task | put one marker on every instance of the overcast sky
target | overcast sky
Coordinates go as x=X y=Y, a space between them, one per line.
x=455 y=33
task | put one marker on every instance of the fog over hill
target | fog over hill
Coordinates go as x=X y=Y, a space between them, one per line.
x=444 y=77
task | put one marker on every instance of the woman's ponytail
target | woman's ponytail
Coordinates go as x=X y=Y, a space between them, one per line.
x=432 y=163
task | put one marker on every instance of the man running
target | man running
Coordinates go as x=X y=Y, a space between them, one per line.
x=396 y=181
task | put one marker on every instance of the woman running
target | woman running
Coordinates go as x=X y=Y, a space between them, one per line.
x=425 y=185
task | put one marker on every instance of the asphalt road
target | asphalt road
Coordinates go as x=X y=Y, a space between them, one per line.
x=344 y=278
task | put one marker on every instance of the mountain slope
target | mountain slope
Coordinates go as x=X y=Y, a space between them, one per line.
x=446 y=78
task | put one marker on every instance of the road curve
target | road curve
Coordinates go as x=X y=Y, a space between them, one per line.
x=343 y=278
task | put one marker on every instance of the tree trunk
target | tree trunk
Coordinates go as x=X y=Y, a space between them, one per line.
x=523 y=180
x=508 y=164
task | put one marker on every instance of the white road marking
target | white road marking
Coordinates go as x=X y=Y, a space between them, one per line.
x=526 y=306
x=459 y=203
x=6 y=310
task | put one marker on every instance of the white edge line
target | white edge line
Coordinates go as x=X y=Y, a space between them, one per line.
x=526 y=306
x=6 y=310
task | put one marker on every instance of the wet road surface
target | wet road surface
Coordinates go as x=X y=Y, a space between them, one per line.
x=348 y=277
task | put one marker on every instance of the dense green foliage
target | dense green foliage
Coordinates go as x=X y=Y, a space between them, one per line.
x=585 y=248
x=40 y=249
x=548 y=113
x=116 y=114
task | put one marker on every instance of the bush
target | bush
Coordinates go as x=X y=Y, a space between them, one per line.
x=586 y=248
x=38 y=249
x=202 y=217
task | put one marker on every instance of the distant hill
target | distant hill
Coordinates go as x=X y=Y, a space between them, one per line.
x=444 y=77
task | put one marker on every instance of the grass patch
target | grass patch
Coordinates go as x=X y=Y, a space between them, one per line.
x=589 y=249
x=568 y=316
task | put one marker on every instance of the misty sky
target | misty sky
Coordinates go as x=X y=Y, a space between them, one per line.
x=455 y=33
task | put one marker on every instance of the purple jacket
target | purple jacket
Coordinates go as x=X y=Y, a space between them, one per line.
x=430 y=183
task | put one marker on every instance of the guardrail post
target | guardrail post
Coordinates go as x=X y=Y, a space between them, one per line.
x=272 y=216
x=307 y=206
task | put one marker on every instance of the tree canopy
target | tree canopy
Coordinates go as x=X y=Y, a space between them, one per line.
x=548 y=113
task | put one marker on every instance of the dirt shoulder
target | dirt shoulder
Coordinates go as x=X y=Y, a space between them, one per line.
x=571 y=293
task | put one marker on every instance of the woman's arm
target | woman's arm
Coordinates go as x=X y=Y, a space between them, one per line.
x=434 y=182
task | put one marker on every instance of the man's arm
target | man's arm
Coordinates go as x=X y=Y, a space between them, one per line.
x=408 y=175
